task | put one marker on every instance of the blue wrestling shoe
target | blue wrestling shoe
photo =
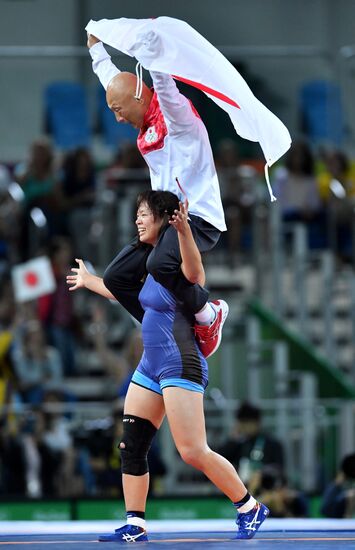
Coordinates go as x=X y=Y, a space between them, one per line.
x=127 y=533
x=249 y=522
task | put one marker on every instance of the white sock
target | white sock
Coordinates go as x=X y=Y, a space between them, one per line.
x=134 y=520
x=206 y=315
x=247 y=506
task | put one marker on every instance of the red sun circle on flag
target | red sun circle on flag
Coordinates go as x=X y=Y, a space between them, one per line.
x=31 y=278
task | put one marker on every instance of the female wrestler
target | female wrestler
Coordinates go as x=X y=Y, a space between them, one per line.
x=169 y=380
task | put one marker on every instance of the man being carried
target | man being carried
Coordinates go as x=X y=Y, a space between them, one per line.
x=174 y=142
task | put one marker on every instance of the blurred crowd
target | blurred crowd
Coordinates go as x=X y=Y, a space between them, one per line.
x=48 y=195
x=48 y=207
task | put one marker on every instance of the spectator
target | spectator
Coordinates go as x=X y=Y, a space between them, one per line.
x=6 y=370
x=119 y=365
x=7 y=323
x=297 y=192
x=12 y=461
x=56 y=310
x=127 y=175
x=336 y=166
x=282 y=501
x=131 y=354
x=239 y=194
x=249 y=448
x=104 y=454
x=9 y=223
x=5 y=178
x=7 y=304
x=78 y=189
x=37 y=454
x=339 y=497
x=337 y=185
x=127 y=161
x=31 y=433
x=37 y=176
x=21 y=457
x=40 y=186
x=297 y=185
x=37 y=365
x=58 y=445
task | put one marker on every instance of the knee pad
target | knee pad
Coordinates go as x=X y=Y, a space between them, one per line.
x=137 y=438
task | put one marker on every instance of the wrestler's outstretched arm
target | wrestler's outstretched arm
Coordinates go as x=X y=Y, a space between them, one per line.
x=191 y=262
x=82 y=278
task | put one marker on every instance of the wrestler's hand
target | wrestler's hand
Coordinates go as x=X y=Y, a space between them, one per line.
x=92 y=40
x=81 y=273
x=179 y=219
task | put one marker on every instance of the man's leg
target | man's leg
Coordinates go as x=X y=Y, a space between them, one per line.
x=165 y=260
x=164 y=264
x=125 y=276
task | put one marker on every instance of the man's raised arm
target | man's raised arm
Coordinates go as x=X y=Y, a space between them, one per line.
x=101 y=61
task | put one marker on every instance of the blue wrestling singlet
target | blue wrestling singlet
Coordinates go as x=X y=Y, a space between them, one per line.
x=171 y=355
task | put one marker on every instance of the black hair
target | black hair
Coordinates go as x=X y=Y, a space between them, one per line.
x=247 y=411
x=341 y=159
x=161 y=204
x=271 y=478
x=348 y=466
x=300 y=157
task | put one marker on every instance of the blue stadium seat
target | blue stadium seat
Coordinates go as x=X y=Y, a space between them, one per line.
x=322 y=112
x=113 y=132
x=67 y=116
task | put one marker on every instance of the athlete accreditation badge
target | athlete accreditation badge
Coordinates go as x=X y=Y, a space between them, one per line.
x=151 y=135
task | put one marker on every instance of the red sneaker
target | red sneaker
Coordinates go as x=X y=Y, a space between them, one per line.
x=209 y=336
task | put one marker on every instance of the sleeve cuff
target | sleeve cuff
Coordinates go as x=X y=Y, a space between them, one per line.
x=97 y=51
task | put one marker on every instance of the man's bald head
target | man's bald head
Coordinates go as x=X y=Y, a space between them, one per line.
x=123 y=83
x=120 y=97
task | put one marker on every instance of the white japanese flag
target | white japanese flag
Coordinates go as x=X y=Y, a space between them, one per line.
x=33 y=279
x=172 y=46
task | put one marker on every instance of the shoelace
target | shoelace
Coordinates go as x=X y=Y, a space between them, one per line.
x=251 y=525
x=131 y=538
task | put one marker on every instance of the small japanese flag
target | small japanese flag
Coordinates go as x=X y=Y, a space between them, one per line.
x=33 y=279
